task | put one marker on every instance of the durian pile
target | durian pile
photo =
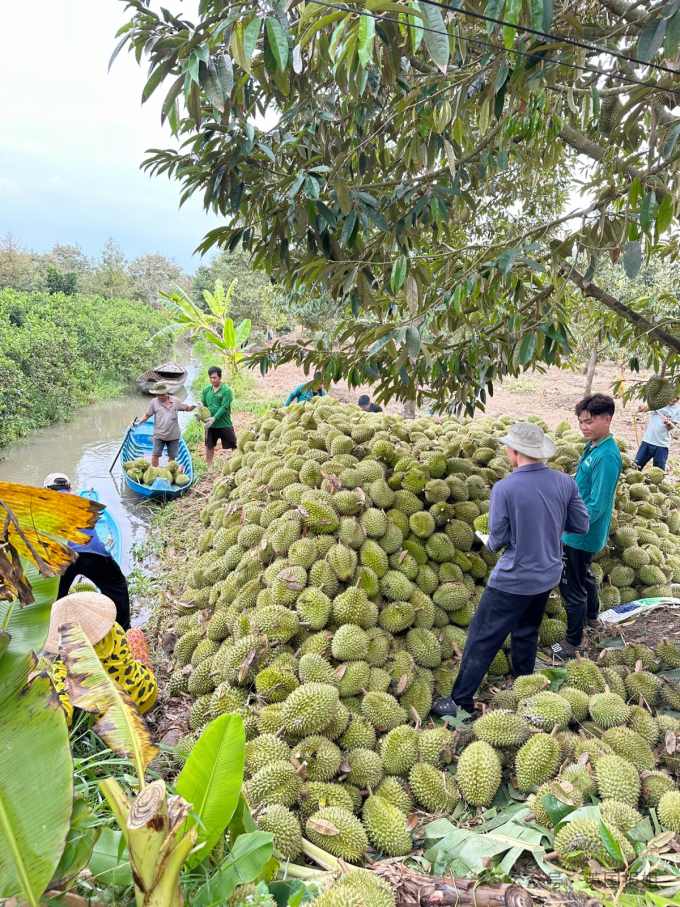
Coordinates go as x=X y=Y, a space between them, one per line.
x=328 y=605
x=142 y=472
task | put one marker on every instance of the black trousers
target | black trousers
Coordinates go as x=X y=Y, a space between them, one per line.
x=498 y=614
x=105 y=573
x=578 y=588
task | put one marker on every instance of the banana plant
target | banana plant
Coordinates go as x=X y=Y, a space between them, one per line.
x=218 y=328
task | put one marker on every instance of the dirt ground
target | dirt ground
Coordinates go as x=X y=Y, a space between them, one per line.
x=552 y=396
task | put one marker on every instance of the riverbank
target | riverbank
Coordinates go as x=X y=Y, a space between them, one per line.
x=59 y=352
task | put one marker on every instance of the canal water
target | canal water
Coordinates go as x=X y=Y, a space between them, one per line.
x=84 y=449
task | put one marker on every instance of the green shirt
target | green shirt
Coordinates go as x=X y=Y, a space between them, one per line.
x=597 y=476
x=219 y=403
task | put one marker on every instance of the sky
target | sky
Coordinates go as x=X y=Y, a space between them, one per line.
x=72 y=137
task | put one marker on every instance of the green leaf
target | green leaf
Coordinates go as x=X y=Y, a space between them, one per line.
x=297 y=182
x=277 y=41
x=366 y=35
x=416 y=28
x=493 y=11
x=312 y=188
x=211 y=779
x=506 y=260
x=555 y=808
x=249 y=856
x=412 y=341
x=634 y=192
x=632 y=259
x=398 y=273
x=673 y=36
x=647 y=211
x=512 y=11
x=36 y=785
x=82 y=836
x=344 y=197
x=250 y=36
x=241 y=822
x=436 y=40
x=526 y=350
x=110 y=862
x=26 y=626
x=547 y=15
x=671 y=142
x=610 y=843
x=229 y=338
x=537 y=14
x=348 y=226
x=651 y=39
x=242 y=332
x=664 y=217
x=225 y=73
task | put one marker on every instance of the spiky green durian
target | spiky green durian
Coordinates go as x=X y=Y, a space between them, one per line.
x=264 y=749
x=545 y=710
x=630 y=746
x=360 y=734
x=316 y=795
x=623 y=816
x=417 y=698
x=424 y=646
x=578 y=700
x=434 y=745
x=608 y=710
x=645 y=684
x=385 y=825
x=617 y=779
x=314 y=607
x=366 y=768
x=399 y=750
x=315 y=669
x=383 y=711
x=309 y=709
x=452 y=596
x=350 y=643
x=668 y=651
x=654 y=785
x=581 y=777
x=583 y=674
x=338 y=832
x=580 y=840
x=280 y=822
x=354 y=677
x=537 y=761
x=374 y=890
x=323 y=577
x=275 y=782
x=343 y=560
x=353 y=607
x=479 y=773
x=502 y=729
x=668 y=810
x=397 y=616
x=433 y=788
x=319 y=755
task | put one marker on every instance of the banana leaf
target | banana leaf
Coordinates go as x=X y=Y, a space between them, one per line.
x=248 y=858
x=81 y=839
x=26 y=627
x=120 y=725
x=211 y=780
x=36 y=787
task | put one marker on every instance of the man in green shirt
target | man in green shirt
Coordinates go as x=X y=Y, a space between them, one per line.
x=217 y=397
x=597 y=476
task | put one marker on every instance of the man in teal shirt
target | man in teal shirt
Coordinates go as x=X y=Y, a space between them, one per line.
x=217 y=396
x=597 y=477
x=303 y=392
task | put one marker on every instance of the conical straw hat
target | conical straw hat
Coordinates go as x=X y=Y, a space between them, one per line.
x=94 y=613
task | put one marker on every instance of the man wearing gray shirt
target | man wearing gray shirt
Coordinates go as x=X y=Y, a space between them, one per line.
x=166 y=431
x=528 y=512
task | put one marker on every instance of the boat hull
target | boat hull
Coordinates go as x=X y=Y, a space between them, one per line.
x=107 y=528
x=139 y=443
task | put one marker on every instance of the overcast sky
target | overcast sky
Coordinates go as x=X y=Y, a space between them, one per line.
x=72 y=137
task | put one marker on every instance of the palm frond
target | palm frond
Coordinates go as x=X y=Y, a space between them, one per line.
x=168 y=330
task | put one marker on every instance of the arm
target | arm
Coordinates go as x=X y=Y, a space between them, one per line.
x=185 y=408
x=577 y=520
x=293 y=395
x=643 y=408
x=499 y=521
x=148 y=414
x=605 y=477
x=226 y=403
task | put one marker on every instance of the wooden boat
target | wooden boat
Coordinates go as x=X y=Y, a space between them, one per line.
x=173 y=374
x=139 y=443
x=107 y=528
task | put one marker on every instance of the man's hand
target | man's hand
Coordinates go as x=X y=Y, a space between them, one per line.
x=643 y=408
x=209 y=422
x=191 y=408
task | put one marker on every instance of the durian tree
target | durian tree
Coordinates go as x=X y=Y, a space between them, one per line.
x=413 y=162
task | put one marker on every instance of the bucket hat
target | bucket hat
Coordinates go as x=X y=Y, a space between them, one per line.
x=95 y=614
x=529 y=439
x=56 y=478
x=160 y=387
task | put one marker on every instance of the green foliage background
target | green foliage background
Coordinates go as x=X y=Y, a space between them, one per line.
x=58 y=352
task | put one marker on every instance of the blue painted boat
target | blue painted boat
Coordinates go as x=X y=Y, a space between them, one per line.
x=107 y=528
x=139 y=443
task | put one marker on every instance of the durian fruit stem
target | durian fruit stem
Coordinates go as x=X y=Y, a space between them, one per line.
x=325 y=860
x=304 y=873
x=662 y=370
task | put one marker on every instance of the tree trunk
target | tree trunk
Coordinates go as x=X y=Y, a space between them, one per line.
x=590 y=371
x=413 y=889
x=409 y=409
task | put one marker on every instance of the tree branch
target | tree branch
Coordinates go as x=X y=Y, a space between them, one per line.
x=620 y=308
x=627 y=11
x=592 y=150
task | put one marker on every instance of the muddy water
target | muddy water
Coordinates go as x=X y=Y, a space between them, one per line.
x=84 y=449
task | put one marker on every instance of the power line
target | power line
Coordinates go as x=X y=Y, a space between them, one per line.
x=532 y=54
x=542 y=34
